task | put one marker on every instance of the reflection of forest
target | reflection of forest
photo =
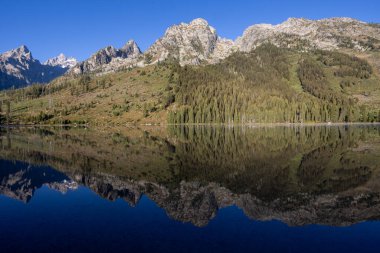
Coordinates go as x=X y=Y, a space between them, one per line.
x=271 y=172
x=270 y=162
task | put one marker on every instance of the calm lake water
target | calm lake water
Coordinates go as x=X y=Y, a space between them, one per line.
x=190 y=189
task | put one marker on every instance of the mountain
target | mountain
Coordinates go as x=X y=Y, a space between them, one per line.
x=193 y=43
x=295 y=72
x=109 y=59
x=198 y=43
x=18 y=68
x=62 y=61
x=327 y=34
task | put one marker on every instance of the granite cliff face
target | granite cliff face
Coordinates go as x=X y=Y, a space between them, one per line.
x=109 y=59
x=18 y=68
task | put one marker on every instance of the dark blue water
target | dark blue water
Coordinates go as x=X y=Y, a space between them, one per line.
x=81 y=221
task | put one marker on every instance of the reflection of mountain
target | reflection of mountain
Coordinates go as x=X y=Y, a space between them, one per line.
x=19 y=180
x=297 y=175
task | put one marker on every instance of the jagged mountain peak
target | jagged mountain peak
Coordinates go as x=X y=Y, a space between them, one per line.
x=130 y=43
x=23 y=49
x=131 y=49
x=199 y=21
x=20 y=52
x=195 y=24
x=62 y=61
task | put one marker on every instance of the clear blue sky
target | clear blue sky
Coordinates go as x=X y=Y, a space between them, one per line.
x=79 y=28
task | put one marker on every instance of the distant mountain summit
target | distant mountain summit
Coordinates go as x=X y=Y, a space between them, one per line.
x=62 y=61
x=109 y=59
x=193 y=43
x=18 y=68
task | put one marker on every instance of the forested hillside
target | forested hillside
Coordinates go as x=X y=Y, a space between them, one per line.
x=266 y=85
x=271 y=84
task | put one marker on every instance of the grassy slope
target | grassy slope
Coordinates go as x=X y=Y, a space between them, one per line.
x=130 y=96
x=369 y=93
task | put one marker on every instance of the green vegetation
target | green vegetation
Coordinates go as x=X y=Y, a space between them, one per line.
x=267 y=85
x=258 y=87
x=133 y=96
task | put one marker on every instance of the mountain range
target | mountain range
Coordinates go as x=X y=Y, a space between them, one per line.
x=300 y=71
x=194 y=43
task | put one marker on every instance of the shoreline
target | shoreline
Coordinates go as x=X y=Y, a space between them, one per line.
x=253 y=125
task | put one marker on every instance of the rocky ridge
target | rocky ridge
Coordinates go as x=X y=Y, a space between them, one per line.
x=197 y=42
x=109 y=59
x=301 y=33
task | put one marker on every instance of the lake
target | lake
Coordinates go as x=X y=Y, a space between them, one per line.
x=190 y=189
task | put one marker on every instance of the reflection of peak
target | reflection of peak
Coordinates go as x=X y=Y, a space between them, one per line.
x=63 y=186
x=198 y=204
x=111 y=188
x=20 y=180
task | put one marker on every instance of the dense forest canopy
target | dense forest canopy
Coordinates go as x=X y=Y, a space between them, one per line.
x=261 y=86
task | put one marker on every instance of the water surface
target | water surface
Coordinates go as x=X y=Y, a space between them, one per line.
x=190 y=189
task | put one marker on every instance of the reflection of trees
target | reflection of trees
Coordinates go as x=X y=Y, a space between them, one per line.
x=271 y=162
x=268 y=162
